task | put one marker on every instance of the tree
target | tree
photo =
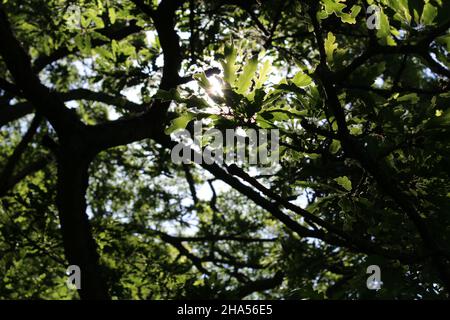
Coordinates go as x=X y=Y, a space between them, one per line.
x=91 y=90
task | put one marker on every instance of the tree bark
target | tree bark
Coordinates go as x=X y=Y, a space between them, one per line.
x=79 y=244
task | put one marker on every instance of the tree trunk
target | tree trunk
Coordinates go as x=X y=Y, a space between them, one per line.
x=79 y=245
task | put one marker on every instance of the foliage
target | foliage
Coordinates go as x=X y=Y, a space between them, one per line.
x=364 y=166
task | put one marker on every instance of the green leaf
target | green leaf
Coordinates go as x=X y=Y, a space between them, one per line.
x=263 y=74
x=104 y=53
x=112 y=15
x=411 y=97
x=429 y=14
x=335 y=146
x=401 y=9
x=334 y=6
x=301 y=79
x=245 y=78
x=99 y=24
x=229 y=64
x=384 y=33
x=351 y=18
x=115 y=47
x=202 y=80
x=355 y=130
x=83 y=43
x=337 y=7
x=344 y=182
x=330 y=46
x=180 y=123
x=445 y=40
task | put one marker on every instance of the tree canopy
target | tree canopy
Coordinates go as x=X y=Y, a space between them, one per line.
x=91 y=90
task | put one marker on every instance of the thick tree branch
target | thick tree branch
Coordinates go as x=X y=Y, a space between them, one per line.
x=255 y=286
x=8 y=169
x=14 y=112
x=18 y=63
